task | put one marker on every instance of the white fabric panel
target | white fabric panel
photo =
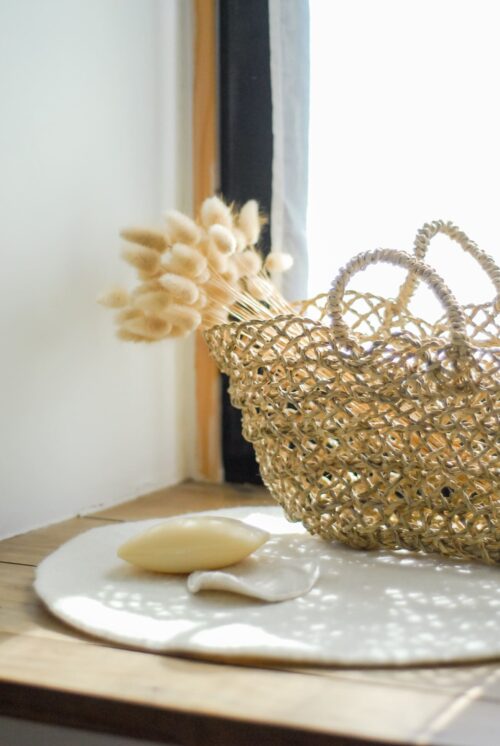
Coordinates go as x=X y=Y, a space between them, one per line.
x=289 y=40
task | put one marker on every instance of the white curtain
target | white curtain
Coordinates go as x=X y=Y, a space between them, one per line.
x=289 y=40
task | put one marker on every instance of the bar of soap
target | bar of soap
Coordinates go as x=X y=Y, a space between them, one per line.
x=189 y=543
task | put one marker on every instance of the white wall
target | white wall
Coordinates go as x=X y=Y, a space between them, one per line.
x=94 y=135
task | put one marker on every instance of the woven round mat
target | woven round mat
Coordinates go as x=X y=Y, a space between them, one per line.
x=367 y=608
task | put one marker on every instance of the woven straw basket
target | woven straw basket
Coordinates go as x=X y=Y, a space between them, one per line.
x=383 y=433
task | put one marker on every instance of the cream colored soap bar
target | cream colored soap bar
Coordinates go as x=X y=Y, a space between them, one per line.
x=186 y=544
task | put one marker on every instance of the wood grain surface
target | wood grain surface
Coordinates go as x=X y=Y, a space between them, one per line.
x=50 y=673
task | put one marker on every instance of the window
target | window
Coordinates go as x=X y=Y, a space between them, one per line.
x=404 y=129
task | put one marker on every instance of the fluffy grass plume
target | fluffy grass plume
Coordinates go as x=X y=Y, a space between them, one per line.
x=184 y=317
x=144 y=237
x=248 y=263
x=277 y=261
x=181 y=229
x=185 y=260
x=154 y=302
x=215 y=211
x=217 y=261
x=197 y=274
x=221 y=292
x=249 y=222
x=145 y=260
x=127 y=336
x=126 y=314
x=149 y=327
x=223 y=238
x=180 y=289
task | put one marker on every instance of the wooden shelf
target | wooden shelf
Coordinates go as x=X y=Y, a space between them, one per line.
x=50 y=673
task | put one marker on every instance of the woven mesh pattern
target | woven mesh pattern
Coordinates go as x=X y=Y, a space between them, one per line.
x=482 y=320
x=483 y=324
x=389 y=444
x=371 y=316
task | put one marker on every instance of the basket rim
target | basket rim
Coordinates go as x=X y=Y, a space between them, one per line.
x=473 y=343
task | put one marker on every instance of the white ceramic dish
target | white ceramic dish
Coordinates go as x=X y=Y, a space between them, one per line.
x=367 y=608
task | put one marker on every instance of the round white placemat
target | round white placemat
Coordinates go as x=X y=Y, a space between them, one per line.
x=367 y=608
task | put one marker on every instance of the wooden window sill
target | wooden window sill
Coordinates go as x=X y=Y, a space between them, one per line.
x=52 y=674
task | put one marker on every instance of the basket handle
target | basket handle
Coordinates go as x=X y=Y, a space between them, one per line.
x=421 y=245
x=456 y=318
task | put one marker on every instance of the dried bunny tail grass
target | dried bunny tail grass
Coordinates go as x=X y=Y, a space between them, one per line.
x=230 y=275
x=144 y=259
x=114 y=298
x=148 y=276
x=204 y=277
x=278 y=261
x=126 y=314
x=241 y=239
x=184 y=260
x=221 y=292
x=145 y=287
x=144 y=237
x=204 y=246
x=217 y=262
x=247 y=263
x=181 y=229
x=201 y=301
x=180 y=289
x=214 y=315
x=234 y=269
x=223 y=238
x=214 y=210
x=185 y=317
x=258 y=297
x=151 y=327
x=258 y=288
x=249 y=221
x=127 y=336
x=155 y=301
x=179 y=331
